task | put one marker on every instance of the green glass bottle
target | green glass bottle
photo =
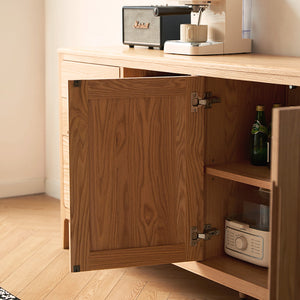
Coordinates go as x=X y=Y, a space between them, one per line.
x=259 y=138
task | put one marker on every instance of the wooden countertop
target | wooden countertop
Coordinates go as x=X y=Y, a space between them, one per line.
x=250 y=67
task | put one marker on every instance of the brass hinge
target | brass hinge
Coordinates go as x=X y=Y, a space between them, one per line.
x=207 y=100
x=207 y=234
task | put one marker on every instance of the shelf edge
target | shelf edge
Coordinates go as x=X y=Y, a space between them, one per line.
x=238 y=178
x=225 y=279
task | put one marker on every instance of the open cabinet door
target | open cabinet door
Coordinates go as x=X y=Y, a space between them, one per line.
x=136 y=172
x=285 y=210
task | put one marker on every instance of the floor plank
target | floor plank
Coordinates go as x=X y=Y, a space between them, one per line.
x=47 y=280
x=100 y=286
x=20 y=254
x=128 y=288
x=33 y=266
x=70 y=286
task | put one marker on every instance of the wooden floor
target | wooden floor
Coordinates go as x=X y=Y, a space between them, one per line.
x=33 y=266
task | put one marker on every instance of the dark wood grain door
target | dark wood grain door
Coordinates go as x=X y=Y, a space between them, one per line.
x=136 y=172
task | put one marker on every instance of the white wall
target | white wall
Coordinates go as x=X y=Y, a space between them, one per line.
x=276 y=27
x=74 y=24
x=95 y=23
x=22 y=95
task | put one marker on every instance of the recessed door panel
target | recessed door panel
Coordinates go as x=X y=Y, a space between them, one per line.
x=135 y=190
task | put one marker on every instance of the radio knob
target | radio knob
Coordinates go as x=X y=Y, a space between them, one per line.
x=241 y=243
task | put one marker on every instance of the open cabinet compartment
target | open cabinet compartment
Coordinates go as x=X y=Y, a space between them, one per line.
x=230 y=176
x=203 y=154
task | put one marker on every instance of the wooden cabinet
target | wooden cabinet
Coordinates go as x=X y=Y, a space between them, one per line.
x=148 y=171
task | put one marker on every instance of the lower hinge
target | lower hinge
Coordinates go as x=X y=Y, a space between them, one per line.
x=206 y=101
x=207 y=234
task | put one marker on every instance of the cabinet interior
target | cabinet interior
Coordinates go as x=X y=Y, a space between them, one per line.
x=230 y=178
x=217 y=180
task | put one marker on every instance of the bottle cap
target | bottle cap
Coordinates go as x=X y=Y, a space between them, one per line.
x=260 y=108
x=276 y=105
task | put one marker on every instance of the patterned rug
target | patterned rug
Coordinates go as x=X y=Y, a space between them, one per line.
x=5 y=295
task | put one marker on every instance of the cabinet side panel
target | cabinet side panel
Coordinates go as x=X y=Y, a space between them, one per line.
x=285 y=175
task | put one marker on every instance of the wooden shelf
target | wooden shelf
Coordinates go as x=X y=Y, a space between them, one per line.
x=233 y=273
x=242 y=172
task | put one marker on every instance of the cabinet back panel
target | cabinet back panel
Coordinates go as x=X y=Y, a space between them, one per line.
x=229 y=122
x=222 y=201
x=293 y=96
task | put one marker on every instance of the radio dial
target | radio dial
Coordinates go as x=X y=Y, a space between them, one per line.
x=241 y=243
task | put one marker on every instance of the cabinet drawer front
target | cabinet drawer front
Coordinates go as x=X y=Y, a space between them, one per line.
x=66 y=171
x=73 y=71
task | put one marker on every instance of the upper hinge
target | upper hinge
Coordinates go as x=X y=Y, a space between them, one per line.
x=76 y=83
x=207 y=100
x=207 y=234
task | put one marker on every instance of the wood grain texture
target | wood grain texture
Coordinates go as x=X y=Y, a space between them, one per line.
x=134 y=172
x=79 y=174
x=131 y=147
x=45 y=272
x=63 y=130
x=274 y=215
x=223 y=199
x=80 y=71
x=242 y=172
x=195 y=160
x=251 y=67
x=238 y=275
x=285 y=175
x=229 y=122
x=129 y=72
x=227 y=142
x=71 y=71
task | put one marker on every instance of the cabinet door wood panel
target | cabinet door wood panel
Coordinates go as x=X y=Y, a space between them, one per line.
x=75 y=70
x=135 y=151
x=285 y=174
x=70 y=70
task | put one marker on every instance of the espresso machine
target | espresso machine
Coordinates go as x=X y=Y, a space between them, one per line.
x=229 y=25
